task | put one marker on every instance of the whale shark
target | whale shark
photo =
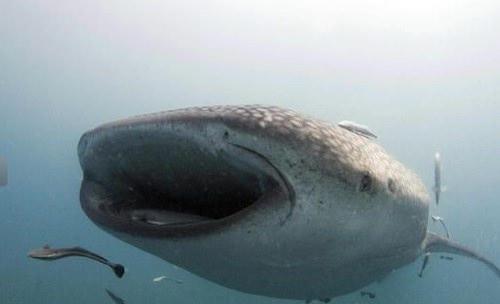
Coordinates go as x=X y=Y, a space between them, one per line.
x=259 y=199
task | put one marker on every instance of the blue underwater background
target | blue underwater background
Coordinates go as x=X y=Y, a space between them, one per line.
x=424 y=76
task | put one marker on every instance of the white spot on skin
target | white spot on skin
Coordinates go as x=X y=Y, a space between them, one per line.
x=316 y=135
x=296 y=123
x=311 y=125
x=332 y=138
x=268 y=118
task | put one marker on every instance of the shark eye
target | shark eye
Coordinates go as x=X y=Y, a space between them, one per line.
x=391 y=185
x=366 y=183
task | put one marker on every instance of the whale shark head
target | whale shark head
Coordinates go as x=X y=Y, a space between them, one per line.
x=255 y=198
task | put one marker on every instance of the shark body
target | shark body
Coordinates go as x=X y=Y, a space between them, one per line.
x=259 y=199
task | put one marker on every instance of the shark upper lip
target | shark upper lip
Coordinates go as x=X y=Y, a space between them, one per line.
x=152 y=181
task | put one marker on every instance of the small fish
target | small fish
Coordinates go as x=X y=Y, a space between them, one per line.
x=356 y=128
x=437 y=188
x=424 y=264
x=47 y=253
x=158 y=279
x=371 y=295
x=161 y=278
x=443 y=257
x=3 y=172
x=436 y=218
x=158 y=218
x=114 y=297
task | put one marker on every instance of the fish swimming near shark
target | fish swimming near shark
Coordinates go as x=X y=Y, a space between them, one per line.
x=3 y=172
x=424 y=263
x=161 y=278
x=259 y=199
x=116 y=299
x=439 y=219
x=47 y=253
x=437 y=188
x=357 y=128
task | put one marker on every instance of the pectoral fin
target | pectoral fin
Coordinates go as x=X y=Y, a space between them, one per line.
x=436 y=243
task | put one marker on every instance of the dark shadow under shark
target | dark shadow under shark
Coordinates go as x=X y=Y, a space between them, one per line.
x=258 y=199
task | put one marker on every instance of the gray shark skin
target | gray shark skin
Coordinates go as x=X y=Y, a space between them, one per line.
x=258 y=199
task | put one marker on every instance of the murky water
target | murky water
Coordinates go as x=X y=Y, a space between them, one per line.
x=423 y=77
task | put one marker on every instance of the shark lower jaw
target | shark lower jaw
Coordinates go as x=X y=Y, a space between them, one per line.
x=171 y=181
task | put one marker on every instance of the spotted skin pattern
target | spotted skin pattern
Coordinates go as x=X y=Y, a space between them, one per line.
x=342 y=153
x=359 y=213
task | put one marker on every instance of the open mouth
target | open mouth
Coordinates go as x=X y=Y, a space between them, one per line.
x=151 y=180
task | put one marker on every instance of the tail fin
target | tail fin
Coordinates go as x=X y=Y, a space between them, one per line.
x=118 y=269
x=436 y=243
